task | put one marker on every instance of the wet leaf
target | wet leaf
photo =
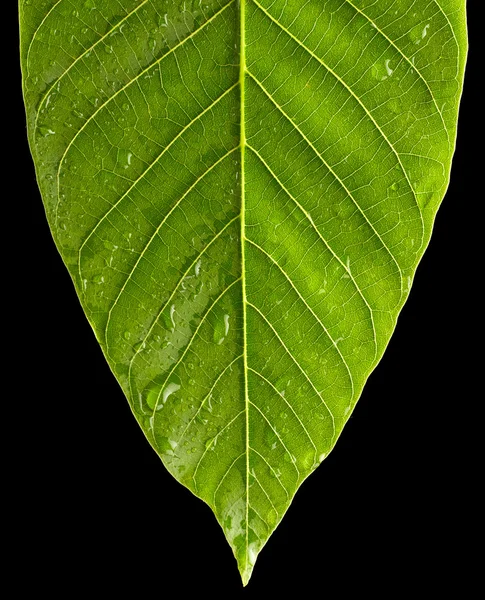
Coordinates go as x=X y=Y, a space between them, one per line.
x=241 y=192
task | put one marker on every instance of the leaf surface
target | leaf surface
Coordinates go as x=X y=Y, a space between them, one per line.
x=241 y=192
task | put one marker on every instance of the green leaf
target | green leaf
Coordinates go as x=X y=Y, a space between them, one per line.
x=241 y=192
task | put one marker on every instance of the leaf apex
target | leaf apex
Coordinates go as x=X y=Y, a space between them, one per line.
x=246 y=573
x=245 y=562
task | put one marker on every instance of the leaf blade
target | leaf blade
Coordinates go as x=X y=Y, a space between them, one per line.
x=280 y=178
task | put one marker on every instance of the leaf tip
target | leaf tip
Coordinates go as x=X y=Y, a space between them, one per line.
x=246 y=573
x=246 y=563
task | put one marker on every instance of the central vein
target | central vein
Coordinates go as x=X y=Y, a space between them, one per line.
x=242 y=76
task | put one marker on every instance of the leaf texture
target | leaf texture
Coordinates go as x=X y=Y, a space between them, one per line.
x=241 y=192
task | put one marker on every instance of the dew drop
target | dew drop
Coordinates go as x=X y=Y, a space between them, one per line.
x=109 y=245
x=129 y=156
x=152 y=397
x=172 y=313
x=166 y=445
x=418 y=33
x=221 y=329
x=211 y=442
x=163 y=444
x=170 y=389
x=46 y=131
x=270 y=439
x=381 y=71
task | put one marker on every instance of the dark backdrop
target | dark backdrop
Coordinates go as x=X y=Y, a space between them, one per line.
x=389 y=509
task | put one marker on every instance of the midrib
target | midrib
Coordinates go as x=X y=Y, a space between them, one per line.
x=242 y=75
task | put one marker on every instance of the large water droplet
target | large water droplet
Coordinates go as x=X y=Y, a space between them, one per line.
x=170 y=389
x=381 y=71
x=418 y=33
x=221 y=329
x=166 y=445
x=172 y=315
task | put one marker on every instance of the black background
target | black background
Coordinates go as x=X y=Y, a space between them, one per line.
x=391 y=509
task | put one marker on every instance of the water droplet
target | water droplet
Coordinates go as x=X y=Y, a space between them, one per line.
x=282 y=384
x=221 y=329
x=46 y=131
x=172 y=313
x=166 y=445
x=109 y=245
x=394 y=105
x=252 y=553
x=270 y=439
x=418 y=33
x=153 y=396
x=409 y=282
x=127 y=335
x=211 y=442
x=170 y=389
x=163 y=444
x=381 y=71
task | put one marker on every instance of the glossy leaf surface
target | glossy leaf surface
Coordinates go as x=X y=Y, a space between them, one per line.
x=241 y=192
